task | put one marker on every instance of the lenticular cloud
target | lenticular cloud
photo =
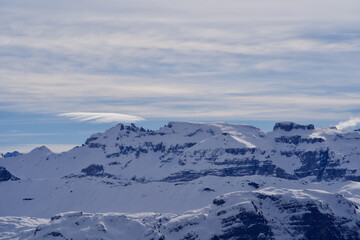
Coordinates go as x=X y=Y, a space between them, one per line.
x=101 y=117
x=352 y=122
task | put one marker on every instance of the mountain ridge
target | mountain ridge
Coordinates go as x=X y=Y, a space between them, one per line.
x=184 y=142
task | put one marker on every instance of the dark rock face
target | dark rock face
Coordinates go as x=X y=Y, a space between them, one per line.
x=28 y=199
x=315 y=225
x=298 y=139
x=184 y=176
x=5 y=175
x=288 y=126
x=54 y=234
x=93 y=169
x=12 y=154
x=242 y=168
x=90 y=139
x=316 y=220
x=207 y=189
x=254 y=184
x=319 y=164
x=218 y=201
x=253 y=225
x=148 y=147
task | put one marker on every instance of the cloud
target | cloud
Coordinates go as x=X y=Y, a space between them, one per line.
x=174 y=97
x=102 y=117
x=352 y=122
x=243 y=59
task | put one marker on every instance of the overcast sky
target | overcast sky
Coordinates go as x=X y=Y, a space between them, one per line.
x=68 y=68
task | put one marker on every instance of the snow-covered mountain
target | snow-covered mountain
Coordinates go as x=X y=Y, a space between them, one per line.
x=10 y=154
x=263 y=214
x=185 y=166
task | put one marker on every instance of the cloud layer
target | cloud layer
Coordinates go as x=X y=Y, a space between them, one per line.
x=185 y=59
x=102 y=117
x=352 y=122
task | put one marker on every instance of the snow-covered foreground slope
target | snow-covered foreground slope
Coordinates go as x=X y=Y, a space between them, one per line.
x=269 y=213
x=184 y=166
x=43 y=198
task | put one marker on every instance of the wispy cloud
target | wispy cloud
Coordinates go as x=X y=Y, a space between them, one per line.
x=352 y=122
x=181 y=60
x=102 y=117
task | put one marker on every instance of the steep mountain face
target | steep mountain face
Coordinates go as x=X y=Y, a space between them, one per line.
x=264 y=214
x=185 y=166
x=184 y=151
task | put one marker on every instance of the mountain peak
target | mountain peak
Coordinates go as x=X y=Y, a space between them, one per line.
x=41 y=150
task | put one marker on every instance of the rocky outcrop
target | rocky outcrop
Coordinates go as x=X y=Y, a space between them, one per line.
x=12 y=154
x=5 y=175
x=93 y=169
x=288 y=126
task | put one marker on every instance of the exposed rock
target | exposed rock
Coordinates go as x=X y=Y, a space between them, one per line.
x=12 y=154
x=5 y=175
x=93 y=169
x=254 y=184
x=288 y=126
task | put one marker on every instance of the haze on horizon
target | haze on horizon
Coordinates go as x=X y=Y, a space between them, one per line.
x=69 y=69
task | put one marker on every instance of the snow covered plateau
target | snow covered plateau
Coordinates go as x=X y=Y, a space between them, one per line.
x=187 y=181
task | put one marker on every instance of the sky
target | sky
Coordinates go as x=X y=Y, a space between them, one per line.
x=72 y=68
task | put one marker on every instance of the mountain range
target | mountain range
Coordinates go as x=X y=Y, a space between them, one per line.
x=187 y=181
